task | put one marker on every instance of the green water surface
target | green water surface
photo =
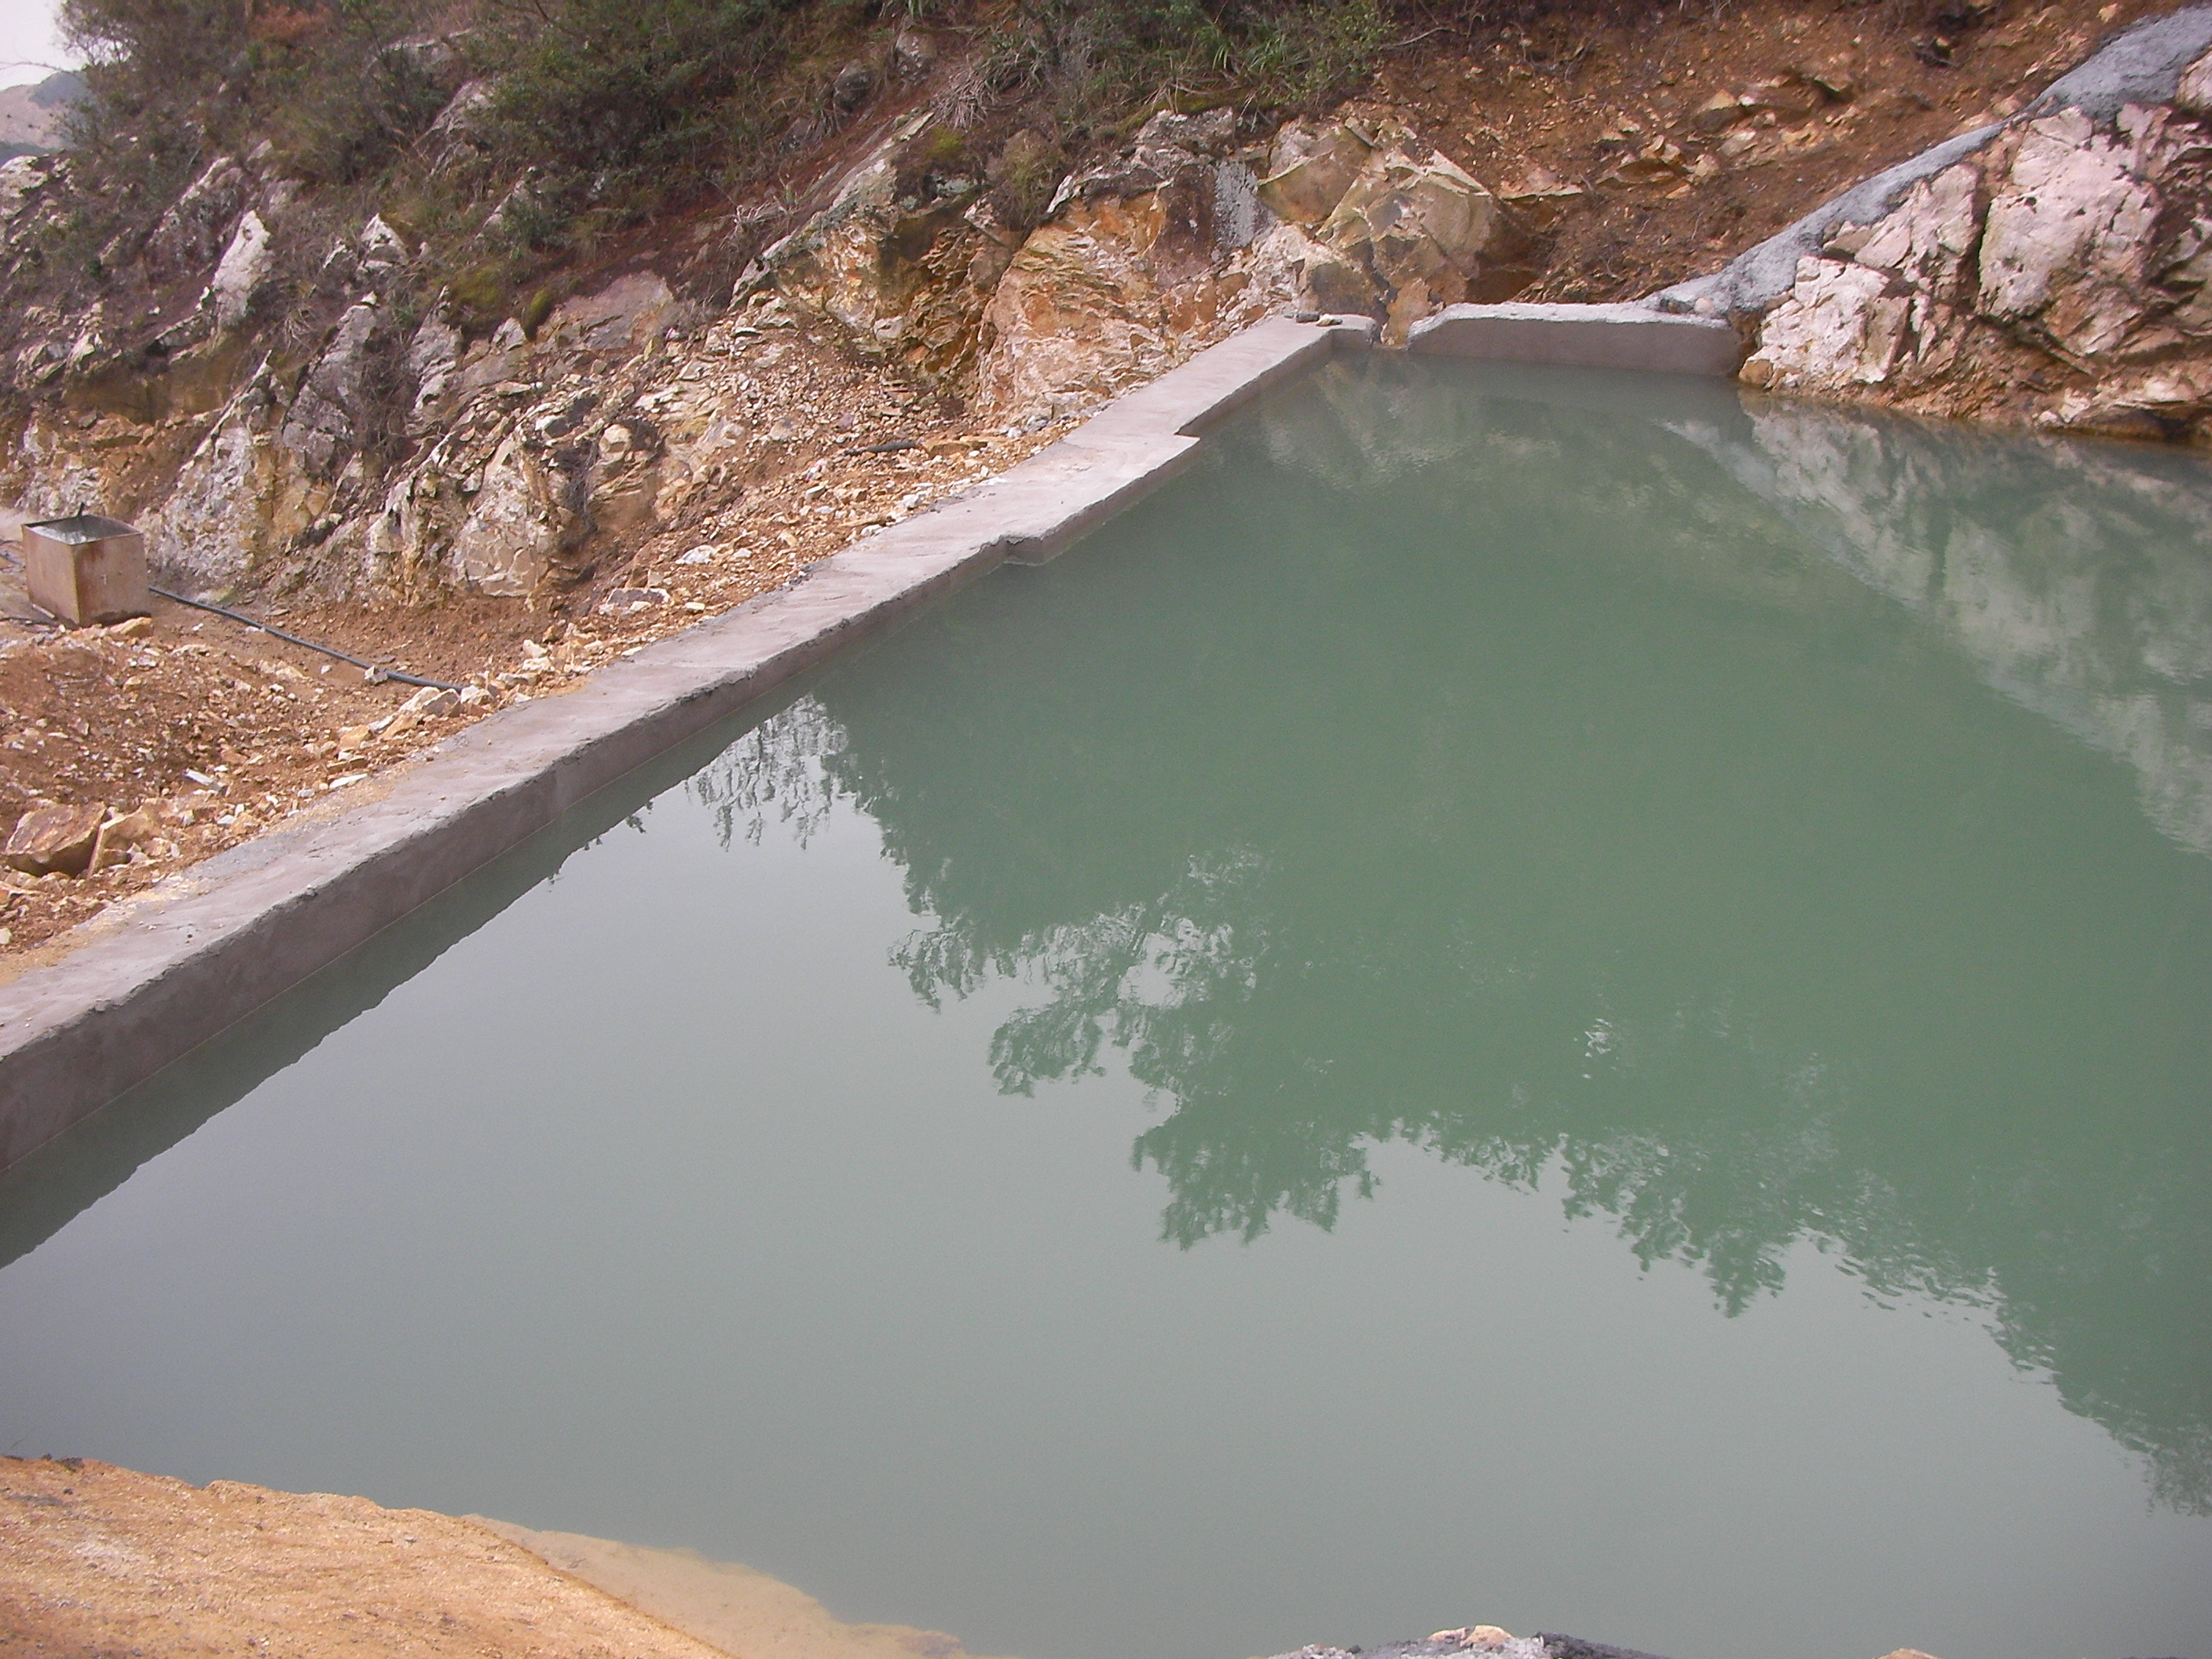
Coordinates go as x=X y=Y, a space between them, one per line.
x=1544 y=999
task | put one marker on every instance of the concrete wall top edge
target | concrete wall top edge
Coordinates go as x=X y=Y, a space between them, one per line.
x=1631 y=336
x=162 y=973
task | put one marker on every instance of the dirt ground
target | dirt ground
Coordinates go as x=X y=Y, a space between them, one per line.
x=1826 y=96
x=101 y=1561
x=219 y=731
x=1647 y=153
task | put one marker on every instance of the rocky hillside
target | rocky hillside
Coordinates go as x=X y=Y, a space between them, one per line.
x=292 y=398
x=492 y=351
x=32 y=116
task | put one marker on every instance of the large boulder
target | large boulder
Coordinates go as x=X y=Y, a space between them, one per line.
x=53 y=840
x=1145 y=258
x=904 y=256
x=1429 y=235
x=1310 y=167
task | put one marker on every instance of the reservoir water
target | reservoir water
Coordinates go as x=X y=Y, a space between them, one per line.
x=1553 y=1000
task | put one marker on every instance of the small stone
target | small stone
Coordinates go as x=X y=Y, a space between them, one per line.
x=55 y=840
x=119 y=835
x=853 y=84
x=428 y=703
x=134 y=627
x=628 y=601
x=913 y=53
x=1719 y=113
x=1838 y=76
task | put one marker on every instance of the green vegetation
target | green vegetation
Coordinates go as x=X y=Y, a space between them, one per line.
x=603 y=114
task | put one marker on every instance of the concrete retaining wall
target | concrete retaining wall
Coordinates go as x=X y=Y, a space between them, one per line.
x=166 y=972
x=1629 y=335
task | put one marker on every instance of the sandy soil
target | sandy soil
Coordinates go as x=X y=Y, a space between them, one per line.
x=733 y=1607
x=96 y=1560
x=100 y=1561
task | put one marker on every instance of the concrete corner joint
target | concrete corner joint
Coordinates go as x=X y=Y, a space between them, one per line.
x=1628 y=336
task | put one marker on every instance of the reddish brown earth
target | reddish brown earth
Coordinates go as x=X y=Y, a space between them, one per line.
x=121 y=716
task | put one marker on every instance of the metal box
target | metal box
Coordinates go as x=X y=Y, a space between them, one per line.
x=86 y=569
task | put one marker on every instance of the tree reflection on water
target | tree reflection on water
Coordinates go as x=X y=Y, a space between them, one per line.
x=1617 y=800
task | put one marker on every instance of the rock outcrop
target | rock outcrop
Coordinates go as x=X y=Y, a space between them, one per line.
x=2055 y=267
x=2051 y=269
x=1159 y=252
x=905 y=256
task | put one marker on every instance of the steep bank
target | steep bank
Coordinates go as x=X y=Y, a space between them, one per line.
x=2048 y=269
x=309 y=408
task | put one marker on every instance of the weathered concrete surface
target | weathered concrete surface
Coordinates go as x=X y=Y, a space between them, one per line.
x=175 y=968
x=1633 y=336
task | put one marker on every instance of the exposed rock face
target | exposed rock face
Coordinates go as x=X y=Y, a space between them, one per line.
x=522 y=519
x=2051 y=268
x=1156 y=253
x=334 y=402
x=905 y=256
x=1177 y=242
x=20 y=181
x=194 y=232
x=235 y=501
x=240 y=272
x=1142 y=260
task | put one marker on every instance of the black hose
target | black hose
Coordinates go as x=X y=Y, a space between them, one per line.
x=373 y=671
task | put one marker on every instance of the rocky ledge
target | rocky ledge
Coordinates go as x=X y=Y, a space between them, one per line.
x=2051 y=269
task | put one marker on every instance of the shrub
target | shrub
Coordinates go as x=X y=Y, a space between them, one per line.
x=1022 y=177
x=624 y=105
